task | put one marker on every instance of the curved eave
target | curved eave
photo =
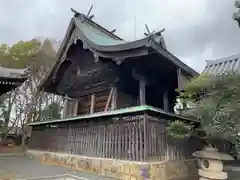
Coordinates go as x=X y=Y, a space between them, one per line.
x=115 y=48
x=11 y=78
x=114 y=45
x=144 y=43
x=173 y=59
x=12 y=81
x=59 y=54
x=8 y=84
x=10 y=73
x=20 y=79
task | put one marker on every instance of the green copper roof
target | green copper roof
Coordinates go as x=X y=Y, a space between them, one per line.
x=119 y=112
x=97 y=36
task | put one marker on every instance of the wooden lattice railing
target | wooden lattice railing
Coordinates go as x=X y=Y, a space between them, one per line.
x=137 y=135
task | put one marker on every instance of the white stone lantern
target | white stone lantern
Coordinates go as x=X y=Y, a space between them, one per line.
x=211 y=164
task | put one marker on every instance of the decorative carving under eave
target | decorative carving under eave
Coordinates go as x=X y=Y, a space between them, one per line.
x=116 y=80
x=96 y=58
x=76 y=71
x=75 y=39
x=85 y=46
x=119 y=60
x=138 y=77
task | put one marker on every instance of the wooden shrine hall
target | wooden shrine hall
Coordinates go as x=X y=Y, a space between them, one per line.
x=119 y=96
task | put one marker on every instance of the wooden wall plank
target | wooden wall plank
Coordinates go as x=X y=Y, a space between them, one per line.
x=92 y=107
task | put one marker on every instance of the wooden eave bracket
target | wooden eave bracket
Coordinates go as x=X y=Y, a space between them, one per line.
x=119 y=60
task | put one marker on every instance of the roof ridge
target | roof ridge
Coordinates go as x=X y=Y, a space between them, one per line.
x=84 y=17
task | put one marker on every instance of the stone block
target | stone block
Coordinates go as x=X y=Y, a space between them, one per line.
x=123 y=169
x=96 y=165
x=133 y=170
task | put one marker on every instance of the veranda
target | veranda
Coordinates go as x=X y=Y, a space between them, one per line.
x=136 y=134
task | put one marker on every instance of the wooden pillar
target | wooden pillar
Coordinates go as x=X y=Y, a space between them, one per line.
x=142 y=86
x=75 y=108
x=142 y=92
x=92 y=104
x=165 y=100
x=70 y=107
x=114 y=99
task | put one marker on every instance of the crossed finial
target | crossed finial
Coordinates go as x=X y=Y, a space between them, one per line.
x=113 y=31
x=88 y=14
x=158 y=34
x=148 y=33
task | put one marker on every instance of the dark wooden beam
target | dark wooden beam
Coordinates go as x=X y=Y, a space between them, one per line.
x=109 y=100
x=75 y=107
x=165 y=101
x=179 y=76
x=142 y=86
x=114 y=99
x=142 y=92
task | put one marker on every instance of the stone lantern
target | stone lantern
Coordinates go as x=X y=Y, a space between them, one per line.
x=211 y=164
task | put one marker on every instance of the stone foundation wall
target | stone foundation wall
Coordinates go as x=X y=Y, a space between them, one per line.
x=125 y=170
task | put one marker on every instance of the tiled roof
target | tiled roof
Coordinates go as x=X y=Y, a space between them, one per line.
x=12 y=73
x=218 y=66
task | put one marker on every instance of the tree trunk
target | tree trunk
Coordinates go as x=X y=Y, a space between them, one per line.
x=27 y=130
x=3 y=139
x=5 y=128
x=23 y=141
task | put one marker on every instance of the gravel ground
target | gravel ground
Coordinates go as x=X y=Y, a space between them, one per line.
x=233 y=172
x=20 y=167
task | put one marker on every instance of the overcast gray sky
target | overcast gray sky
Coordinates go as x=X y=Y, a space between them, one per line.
x=196 y=30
